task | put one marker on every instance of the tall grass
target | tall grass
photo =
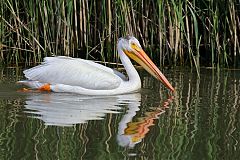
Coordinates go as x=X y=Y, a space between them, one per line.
x=174 y=32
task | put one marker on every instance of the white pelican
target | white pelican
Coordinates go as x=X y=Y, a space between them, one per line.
x=74 y=75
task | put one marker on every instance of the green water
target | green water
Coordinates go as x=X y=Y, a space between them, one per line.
x=199 y=121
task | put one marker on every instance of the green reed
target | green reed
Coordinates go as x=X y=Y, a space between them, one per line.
x=173 y=32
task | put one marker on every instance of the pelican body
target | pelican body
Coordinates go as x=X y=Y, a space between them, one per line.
x=74 y=75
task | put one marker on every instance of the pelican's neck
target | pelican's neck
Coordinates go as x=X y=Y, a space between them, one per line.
x=131 y=71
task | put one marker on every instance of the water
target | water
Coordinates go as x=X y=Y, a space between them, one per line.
x=199 y=121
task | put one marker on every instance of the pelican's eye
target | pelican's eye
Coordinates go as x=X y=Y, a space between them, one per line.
x=134 y=46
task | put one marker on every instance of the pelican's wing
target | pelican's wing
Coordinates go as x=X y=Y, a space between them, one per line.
x=74 y=72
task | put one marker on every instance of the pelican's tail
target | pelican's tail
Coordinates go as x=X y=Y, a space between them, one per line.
x=32 y=84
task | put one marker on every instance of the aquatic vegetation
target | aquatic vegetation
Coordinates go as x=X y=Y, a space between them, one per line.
x=174 y=32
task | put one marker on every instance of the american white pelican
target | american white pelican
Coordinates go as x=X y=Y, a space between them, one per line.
x=65 y=74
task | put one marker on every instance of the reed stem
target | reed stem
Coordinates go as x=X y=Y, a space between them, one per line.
x=176 y=32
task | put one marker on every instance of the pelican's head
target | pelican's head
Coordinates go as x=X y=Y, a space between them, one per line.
x=132 y=48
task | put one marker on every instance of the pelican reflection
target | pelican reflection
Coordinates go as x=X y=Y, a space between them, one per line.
x=60 y=109
x=68 y=109
x=131 y=132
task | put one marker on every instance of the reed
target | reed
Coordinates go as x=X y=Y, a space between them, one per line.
x=174 y=32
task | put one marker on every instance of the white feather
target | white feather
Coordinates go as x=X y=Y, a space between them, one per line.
x=75 y=72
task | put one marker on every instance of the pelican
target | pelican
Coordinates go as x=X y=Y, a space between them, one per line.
x=74 y=75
